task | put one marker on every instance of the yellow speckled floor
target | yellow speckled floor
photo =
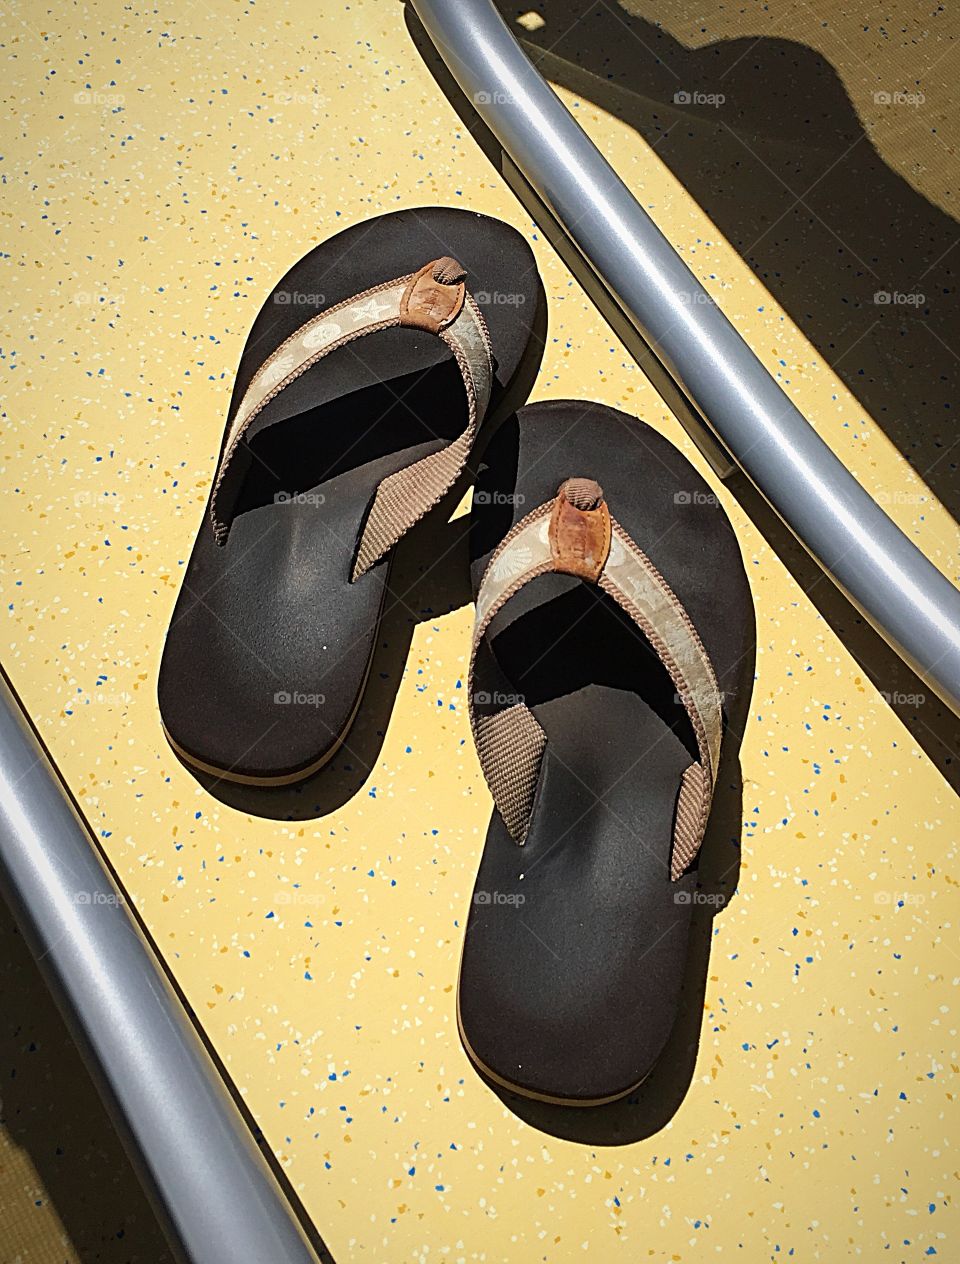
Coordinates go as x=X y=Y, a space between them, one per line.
x=161 y=170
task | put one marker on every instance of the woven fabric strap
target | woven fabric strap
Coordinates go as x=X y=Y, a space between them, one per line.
x=434 y=299
x=575 y=534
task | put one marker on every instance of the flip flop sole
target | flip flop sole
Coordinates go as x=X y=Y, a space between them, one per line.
x=575 y=946
x=550 y=1100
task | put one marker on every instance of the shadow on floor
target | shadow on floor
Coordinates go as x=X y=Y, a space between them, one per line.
x=764 y=136
x=51 y=1111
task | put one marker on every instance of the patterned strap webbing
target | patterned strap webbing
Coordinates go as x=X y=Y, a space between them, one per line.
x=575 y=534
x=433 y=298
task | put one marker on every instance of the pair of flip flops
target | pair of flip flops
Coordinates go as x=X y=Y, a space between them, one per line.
x=610 y=631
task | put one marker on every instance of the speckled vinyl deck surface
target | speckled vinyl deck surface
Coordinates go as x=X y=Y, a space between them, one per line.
x=161 y=169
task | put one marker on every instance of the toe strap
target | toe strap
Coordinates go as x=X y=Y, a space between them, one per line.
x=433 y=299
x=575 y=534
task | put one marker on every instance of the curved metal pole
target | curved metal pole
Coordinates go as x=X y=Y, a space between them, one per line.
x=215 y=1196
x=883 y=573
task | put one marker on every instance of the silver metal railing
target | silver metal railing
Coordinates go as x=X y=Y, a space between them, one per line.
x=883 y=573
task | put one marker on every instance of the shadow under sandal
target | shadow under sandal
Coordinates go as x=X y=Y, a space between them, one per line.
x=613 y=619
x=345 y=428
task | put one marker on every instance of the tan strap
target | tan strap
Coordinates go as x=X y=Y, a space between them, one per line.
x=575 y=534
x=435 y=299
x=510 y=745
